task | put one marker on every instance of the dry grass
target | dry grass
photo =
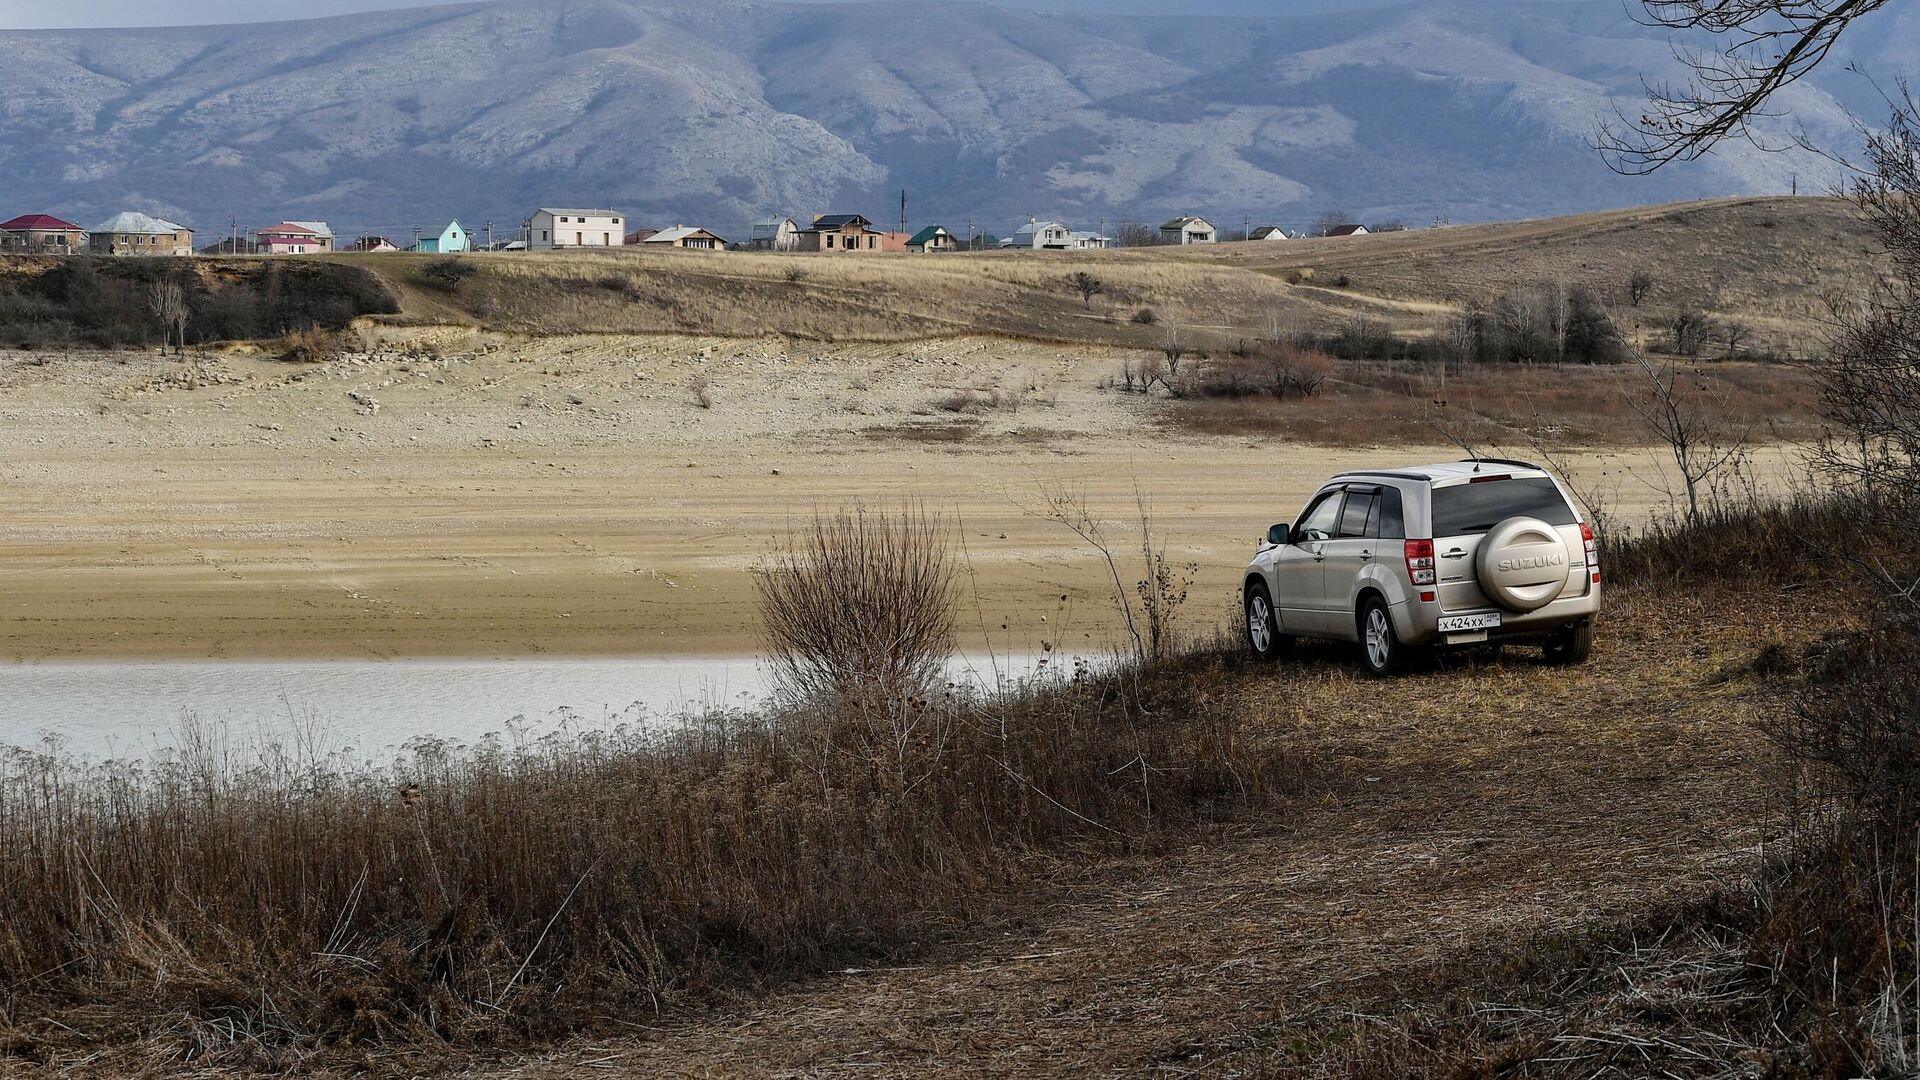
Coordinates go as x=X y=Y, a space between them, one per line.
x=1745 y=260
x=211 y=911
x=1367 y=403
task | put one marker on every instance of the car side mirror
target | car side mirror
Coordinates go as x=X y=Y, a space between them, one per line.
x=1279 y=535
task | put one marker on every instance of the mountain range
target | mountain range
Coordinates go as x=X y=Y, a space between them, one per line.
x=722 y=112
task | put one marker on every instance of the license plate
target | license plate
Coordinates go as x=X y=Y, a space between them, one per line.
x=1450 y=624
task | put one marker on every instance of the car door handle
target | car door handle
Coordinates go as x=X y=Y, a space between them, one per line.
x=1456 y=553
x=1319 y=556
x=1365 y=555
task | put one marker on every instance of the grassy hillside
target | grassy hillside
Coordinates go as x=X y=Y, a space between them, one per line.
x=1767 y=263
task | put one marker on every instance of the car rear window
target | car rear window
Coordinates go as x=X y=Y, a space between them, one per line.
x=1474 y=508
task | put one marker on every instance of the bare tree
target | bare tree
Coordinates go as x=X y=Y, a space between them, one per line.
x=1688 y=414
x=1331 y=219
x=1638 y=286
x=1761 y=46
x=1086 y=285
x=1151 y=625
x=1734 y=335
x=1176 y=349
x=1687 y=334
x=168 y=302
x=1870 y=382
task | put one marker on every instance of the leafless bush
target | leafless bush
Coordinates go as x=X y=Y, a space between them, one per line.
x=1145 y=317
x=702 y=389
x=858 y=609
x=310 y=346
x=1688 y=413
x=1150 y=610
x=1870 y=382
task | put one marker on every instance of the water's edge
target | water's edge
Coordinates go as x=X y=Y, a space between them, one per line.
x=111 y=709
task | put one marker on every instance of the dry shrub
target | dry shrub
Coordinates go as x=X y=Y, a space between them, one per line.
x=702 y=389
x=858 y=609
x=448 y=272
x=971 y=401
x=311 y=346
x=1802 y=535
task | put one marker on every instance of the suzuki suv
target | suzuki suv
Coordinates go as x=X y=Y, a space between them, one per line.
x=1467 y=552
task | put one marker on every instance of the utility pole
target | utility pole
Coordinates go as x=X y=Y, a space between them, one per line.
x=489 y=234
x=903 y=209
x=416 y=238
x=969 y=234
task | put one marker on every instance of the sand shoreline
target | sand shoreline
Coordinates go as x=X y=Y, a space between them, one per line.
x=569 y=498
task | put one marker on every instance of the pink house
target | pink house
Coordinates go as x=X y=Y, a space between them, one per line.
x=296 y=238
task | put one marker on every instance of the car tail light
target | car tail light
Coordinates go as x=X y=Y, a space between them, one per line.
x=1489 y=479
x=1420 y=561
x=1593 y=550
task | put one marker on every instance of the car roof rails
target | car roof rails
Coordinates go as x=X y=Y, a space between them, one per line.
x=1514 y=462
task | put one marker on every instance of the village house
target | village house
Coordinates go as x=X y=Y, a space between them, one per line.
x=1041 y=235
x=838 y=232
x=1091 y=241
x=134 y=233
x=552 y=229
x=374 y=245
x=1268 y=232
x=42 y=234
x=1349 y=230
x=774 y=234
x=686 y=238
x=1187 y=230
x=932 y=240
x=445 y=240
x=296 y=238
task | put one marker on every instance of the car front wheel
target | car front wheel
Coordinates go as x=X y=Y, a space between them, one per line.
x=1263 y=627
x=1380 y=647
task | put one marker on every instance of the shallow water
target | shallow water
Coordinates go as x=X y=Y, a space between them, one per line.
x=103 y=710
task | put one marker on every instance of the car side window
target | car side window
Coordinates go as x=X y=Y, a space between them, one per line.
x=1357 y=517
x=1319 y=521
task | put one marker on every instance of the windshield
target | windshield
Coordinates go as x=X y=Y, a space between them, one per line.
x=1475 y=508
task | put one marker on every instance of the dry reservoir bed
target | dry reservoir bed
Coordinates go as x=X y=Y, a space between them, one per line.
x=572 y=497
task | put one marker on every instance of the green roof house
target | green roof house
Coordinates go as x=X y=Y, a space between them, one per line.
x=931 y=239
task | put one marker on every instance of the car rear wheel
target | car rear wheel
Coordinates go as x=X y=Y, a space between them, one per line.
x=1571 y=645
x=1380 y=647
x=1264 y=639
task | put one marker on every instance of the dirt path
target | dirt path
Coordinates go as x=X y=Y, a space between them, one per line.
x=1478 y=802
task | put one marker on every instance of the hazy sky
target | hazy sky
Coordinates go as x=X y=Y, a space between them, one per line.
x=41 y=14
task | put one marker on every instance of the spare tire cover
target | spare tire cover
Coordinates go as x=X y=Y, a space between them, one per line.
x=1522 y=563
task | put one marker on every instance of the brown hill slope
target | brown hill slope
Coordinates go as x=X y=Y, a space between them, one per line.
x=1770 y=263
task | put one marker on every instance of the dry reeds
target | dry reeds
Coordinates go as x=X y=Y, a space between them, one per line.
x=251 y=911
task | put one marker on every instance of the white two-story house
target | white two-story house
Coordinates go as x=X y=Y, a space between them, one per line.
x=554 y=230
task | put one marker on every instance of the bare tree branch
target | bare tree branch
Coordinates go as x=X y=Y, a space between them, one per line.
x=1762 y=47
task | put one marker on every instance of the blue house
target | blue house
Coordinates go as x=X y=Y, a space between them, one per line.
x=449 y=238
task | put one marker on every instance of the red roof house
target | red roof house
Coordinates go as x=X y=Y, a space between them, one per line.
x=42 y=233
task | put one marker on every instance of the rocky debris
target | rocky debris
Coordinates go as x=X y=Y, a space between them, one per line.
x=369 y=406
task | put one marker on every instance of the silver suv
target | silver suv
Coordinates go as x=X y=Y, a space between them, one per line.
x=1466 y=552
